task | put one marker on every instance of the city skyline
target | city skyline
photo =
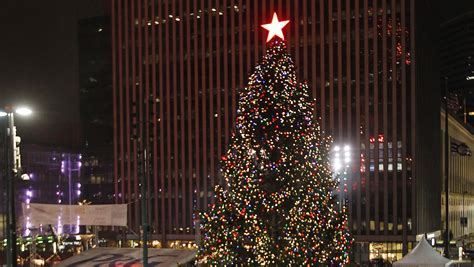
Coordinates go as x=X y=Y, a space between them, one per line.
x=15 y=90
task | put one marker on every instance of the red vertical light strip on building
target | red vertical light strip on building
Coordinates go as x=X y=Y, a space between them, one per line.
x=154 y=120
x=376 y=115
x=349 y=131
x=161 y=124
x=268 y=11
x=358 y=141
x=331 y=66
x=305 y=42
x=127 y=179
x=404 y=128
x=218 y=90
x=114 y=97
x=134 y=111
x=197 y=175
x=182 y=115
x=211 y=118
x=241 y=53
x=322 y=57
x=265 y=13
x=296 y=25
x=121 y=106
x=167 y=118
x=256 y=32
x=233 y=68
x=189 y=114
x=413 y=112
x=226 y=76
x=394 y=114
x=248 y=37
x=139 y=112
x=175 y=167
x=314 y=42
x=288 y=35
x=385 y=114
x=339 y=71
x=366 y=116
x=204 y=105
x=146 y=118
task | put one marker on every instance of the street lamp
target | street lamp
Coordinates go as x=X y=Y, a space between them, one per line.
x=23 y=111
x=12 y=170
x=446 y=170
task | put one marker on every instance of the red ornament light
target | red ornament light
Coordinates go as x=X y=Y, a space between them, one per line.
x=381 y=138
x=275 y=27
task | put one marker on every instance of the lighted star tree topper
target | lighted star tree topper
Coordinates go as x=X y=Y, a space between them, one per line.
x=279 y=207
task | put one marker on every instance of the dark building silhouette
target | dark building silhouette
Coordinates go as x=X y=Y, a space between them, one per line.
x=95 y=83
x=178 y=67
x=457 y=64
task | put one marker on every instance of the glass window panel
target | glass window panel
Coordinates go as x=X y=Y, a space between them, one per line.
x=372 y=225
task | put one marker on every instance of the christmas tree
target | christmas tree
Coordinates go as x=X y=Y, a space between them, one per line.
x=279 y=206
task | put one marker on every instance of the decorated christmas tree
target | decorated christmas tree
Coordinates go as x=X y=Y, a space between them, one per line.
x=279 y=206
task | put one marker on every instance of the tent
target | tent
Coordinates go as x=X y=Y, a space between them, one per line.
x=421 y=256
x=102 y=256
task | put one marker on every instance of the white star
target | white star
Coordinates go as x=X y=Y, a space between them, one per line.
x=275 y=27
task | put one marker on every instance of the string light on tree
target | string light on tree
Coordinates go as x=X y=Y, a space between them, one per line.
x=279 y=207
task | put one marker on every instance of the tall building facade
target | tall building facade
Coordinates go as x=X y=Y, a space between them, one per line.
x=461 y=178
x=178 y=67
x=54 y=178
x=95 y=82
x=457 y=64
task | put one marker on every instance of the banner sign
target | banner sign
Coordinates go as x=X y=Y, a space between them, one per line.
x=112 y=215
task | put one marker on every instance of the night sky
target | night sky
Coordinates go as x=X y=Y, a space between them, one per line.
x=39 y=58
x=453 y=8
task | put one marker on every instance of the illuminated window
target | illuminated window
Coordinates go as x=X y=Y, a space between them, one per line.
x=179 y=244
x=399 y=227
x=390 y=226
x=388 y=252
x=372 y=225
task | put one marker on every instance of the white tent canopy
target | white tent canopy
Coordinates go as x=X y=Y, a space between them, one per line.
x=421 y=256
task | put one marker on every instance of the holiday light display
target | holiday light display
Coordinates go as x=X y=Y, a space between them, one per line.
x=278 y=207
x=275 y=28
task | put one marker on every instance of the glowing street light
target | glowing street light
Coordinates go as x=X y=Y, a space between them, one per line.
x=23 y=111
x=13 y=172
x=341 y=157
x=340 y=160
